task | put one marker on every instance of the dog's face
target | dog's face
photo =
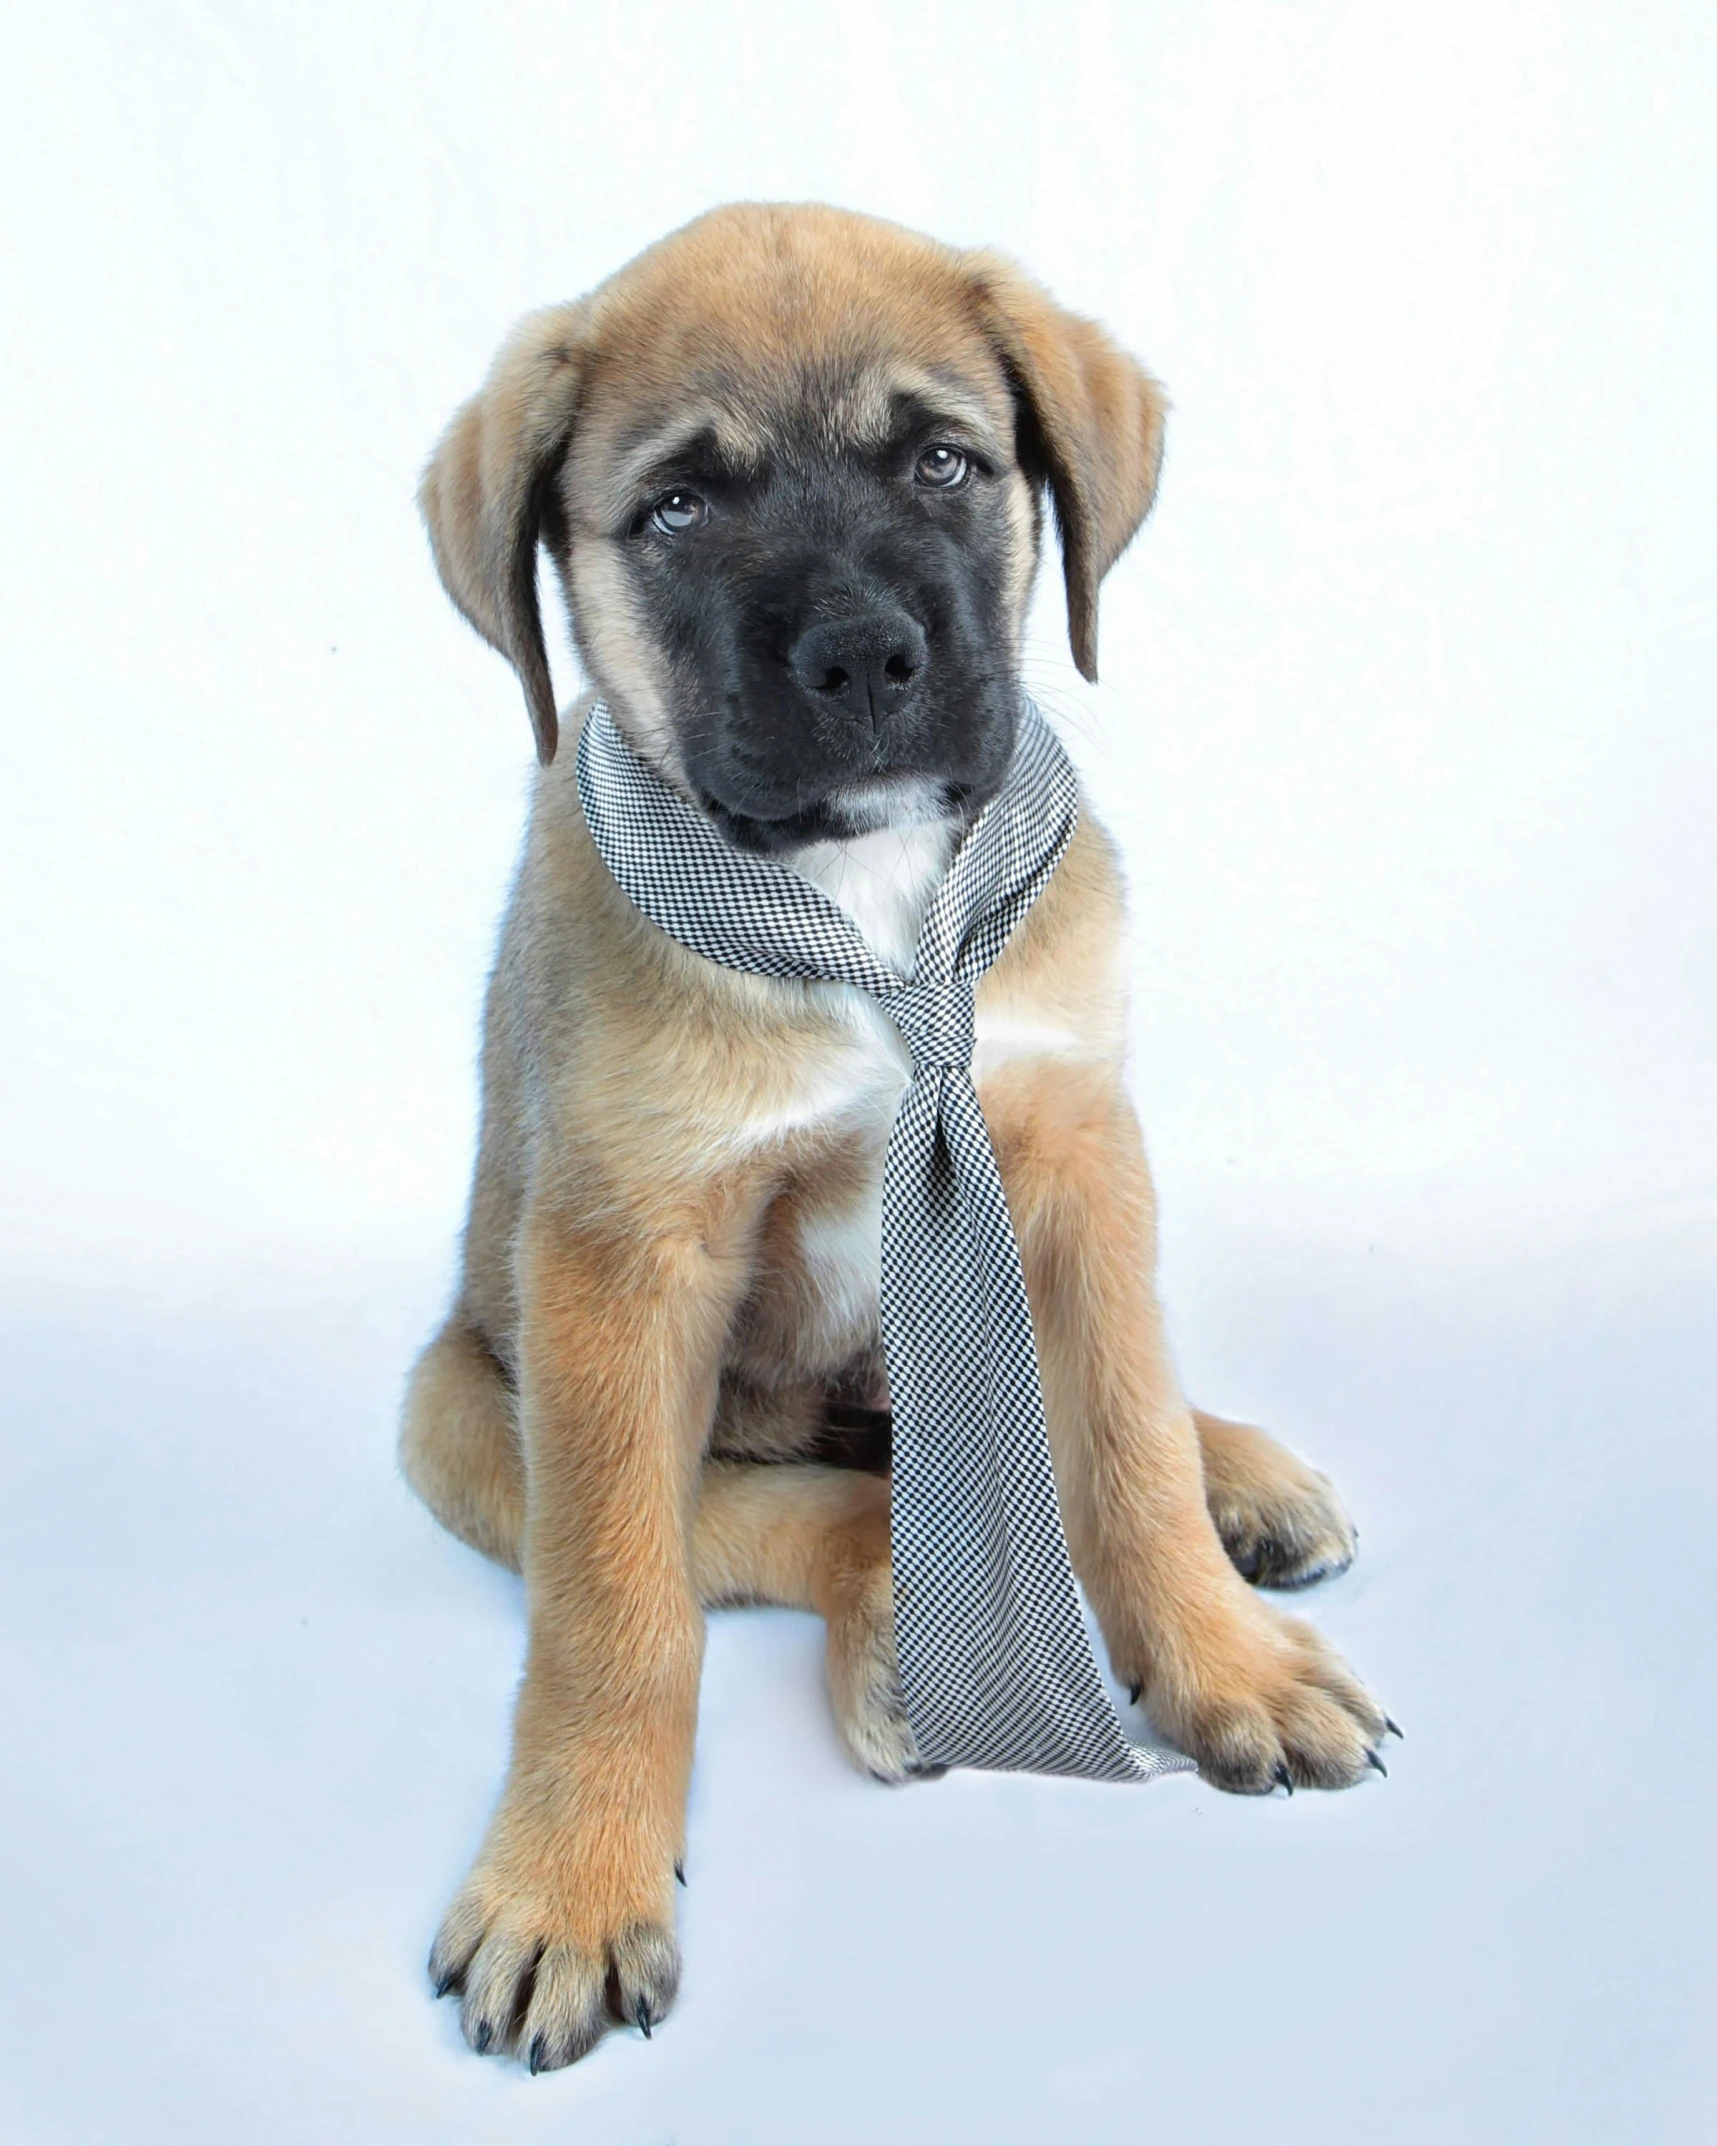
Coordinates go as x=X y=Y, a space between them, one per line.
x=789 y=464
x=822 y=592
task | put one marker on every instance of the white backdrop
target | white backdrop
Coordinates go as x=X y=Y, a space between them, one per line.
x=1407 y=730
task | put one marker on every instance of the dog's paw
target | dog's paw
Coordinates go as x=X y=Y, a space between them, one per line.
x=541 y=1981
x=1263 y=1701
x=1280 y=1521
x=864 y=1683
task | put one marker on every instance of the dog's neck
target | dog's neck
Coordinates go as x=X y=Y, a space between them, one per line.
x=883 y=878
x=884 y=881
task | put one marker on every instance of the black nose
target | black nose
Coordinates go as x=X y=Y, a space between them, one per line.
x=867 y=666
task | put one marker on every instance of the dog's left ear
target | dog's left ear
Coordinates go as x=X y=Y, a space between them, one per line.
x=489 y=497
x=1091 y=428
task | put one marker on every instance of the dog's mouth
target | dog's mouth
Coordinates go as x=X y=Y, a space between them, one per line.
x=857 y=808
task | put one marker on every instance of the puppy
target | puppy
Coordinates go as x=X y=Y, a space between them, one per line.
x=791 y=466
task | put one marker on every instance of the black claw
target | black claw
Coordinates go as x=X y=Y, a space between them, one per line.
x=641 y=2013
x=444 y=1982
x=482 y=2038
x=1284 y=1779
x=539 y=2053
x=1394 y=1728
x=680 y=1872
x=1133 y=1691
x=1371 y=1759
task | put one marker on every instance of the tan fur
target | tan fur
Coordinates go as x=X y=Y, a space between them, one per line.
x=674 y=1160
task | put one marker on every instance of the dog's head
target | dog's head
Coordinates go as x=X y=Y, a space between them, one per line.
x=790 y=465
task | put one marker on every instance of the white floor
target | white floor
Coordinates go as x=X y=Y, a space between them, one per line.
x=258 y=1706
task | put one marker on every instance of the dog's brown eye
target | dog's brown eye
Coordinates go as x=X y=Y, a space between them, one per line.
x=678 y=512
x=942 y=468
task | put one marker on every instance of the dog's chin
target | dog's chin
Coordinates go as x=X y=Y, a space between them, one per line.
x=855 y=809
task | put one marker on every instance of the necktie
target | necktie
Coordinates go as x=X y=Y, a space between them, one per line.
x=995 y=1666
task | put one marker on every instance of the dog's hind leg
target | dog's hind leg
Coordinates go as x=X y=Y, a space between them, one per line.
x=1281 y=1522
x=815 y=1538
x=459 y=1442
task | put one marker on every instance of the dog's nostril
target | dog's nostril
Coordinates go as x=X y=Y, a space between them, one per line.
x=865 y=665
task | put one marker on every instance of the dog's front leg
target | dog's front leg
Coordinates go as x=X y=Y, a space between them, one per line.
x=1257 y=1698
x=570 y=1906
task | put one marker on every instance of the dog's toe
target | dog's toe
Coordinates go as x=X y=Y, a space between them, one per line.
x=1280 y=1521
x=864 y=1683
x=529 y=1991
x=1263 y=1701
x=1290 y=1544
x=1310 y=1723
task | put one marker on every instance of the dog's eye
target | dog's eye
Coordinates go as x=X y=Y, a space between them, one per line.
x=942 y=468
x=676 y=512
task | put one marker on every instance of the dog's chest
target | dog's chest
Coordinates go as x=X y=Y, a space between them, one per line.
x=884 y=882
x=819 y=1279
x=822 y=1269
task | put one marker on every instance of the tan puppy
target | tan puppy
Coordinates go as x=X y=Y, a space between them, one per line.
x=789 y=465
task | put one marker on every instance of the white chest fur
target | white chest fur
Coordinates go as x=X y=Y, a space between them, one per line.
x=884 y=881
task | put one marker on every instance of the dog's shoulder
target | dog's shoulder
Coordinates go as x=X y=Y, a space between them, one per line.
x=1063 y=973
x=602 y=1021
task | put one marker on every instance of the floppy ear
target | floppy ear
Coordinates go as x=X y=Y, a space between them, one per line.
x=1091 y=427
x=489 y=498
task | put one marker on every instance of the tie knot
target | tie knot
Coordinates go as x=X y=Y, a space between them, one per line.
x=939 y=1024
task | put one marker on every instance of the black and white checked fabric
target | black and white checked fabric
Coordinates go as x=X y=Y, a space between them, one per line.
x=995 y=1665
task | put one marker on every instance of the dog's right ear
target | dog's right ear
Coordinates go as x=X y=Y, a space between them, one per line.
x=489 y=497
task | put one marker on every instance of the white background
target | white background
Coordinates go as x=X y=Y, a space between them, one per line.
x=1406 y=727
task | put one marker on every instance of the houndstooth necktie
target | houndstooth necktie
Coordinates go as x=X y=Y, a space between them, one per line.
x=995 y=1665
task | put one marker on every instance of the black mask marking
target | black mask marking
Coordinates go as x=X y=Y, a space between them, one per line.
x=838 y=630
